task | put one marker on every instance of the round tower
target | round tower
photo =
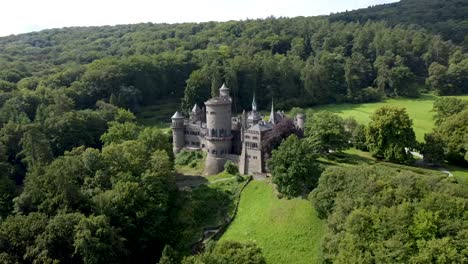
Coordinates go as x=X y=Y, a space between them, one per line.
x=218 y=136
x=178 y=138
x=300 y=121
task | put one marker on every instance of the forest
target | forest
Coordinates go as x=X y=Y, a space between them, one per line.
x=83 y=182
x=446 y=18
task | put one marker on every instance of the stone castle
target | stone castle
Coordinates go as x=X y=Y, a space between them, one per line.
x=224 y=137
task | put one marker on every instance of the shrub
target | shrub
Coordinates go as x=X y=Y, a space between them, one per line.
x=231 y=168
x=188 y=158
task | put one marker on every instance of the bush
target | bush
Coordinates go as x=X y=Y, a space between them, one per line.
x=188 y=158
x=231 y=168
x=368 y=95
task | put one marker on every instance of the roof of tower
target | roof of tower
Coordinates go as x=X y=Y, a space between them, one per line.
x=222 y=99
x=196 y=109
x=177 y=115
x=224 y=88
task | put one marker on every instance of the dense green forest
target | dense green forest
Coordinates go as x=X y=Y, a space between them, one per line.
x=82 y=182
x=447 y=18
x=380 y=215
x=316 y=59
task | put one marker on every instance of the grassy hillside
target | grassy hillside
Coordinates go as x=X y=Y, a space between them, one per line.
x=418 y=109
x=288 y=231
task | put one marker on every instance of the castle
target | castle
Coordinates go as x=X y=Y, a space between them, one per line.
x=224 y=137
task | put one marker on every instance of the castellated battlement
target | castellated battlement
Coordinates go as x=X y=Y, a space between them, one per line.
x=223 y=137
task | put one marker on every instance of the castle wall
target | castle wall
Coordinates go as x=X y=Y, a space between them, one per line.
x=214 y=164
x=192 y=141
x=218 y=148
x=218 y=120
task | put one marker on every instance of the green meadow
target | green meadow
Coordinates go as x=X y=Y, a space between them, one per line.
x=419 y=109
x=288 y=231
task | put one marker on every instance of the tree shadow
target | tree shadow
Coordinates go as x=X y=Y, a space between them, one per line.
x=191 y=181
x=347 y=158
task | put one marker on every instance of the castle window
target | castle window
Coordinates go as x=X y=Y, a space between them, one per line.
x=222 y=151
x=246 y=136
x=213 y=151
x=255 y=137
x=212 y=113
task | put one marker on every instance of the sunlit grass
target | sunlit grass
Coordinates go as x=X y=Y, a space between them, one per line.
x=419 y=110
x=288 y=231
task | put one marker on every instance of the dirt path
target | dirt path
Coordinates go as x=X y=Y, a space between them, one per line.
x=421 y=163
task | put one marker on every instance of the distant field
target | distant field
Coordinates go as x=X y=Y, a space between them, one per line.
x=418 y=109
x=288 y=231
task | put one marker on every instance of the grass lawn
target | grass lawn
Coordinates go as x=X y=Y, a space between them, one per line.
x=288 y=231
x=458 y=172
x=418 y=109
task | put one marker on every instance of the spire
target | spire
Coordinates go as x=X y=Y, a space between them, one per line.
x=254 y=104
x=272 y=113
x=196 y=109
x=177 y=115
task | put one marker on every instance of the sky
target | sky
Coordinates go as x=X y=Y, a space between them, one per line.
x=21 y=16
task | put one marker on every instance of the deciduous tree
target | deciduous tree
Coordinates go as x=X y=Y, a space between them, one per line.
x=390 y=134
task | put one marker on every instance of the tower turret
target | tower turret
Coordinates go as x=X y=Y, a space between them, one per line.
x=178 y=128
x=254 y=116
x=218 y=136
x=195 y=114
x=223 y=91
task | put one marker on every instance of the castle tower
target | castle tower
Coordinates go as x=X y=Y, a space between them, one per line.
x=300 y=121
x=195 y=114
x=254 y=116
x=218 y=137
x=178 y=138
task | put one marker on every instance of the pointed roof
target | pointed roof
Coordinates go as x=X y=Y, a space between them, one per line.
x=224 y=88
x=177 y=115
x=272 y=114
x=254 y=103
x=196 y=109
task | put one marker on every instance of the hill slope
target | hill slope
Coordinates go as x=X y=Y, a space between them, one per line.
x=447 y=18
x=288 y=231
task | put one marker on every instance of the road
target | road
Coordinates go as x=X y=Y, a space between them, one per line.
x=443 y=170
